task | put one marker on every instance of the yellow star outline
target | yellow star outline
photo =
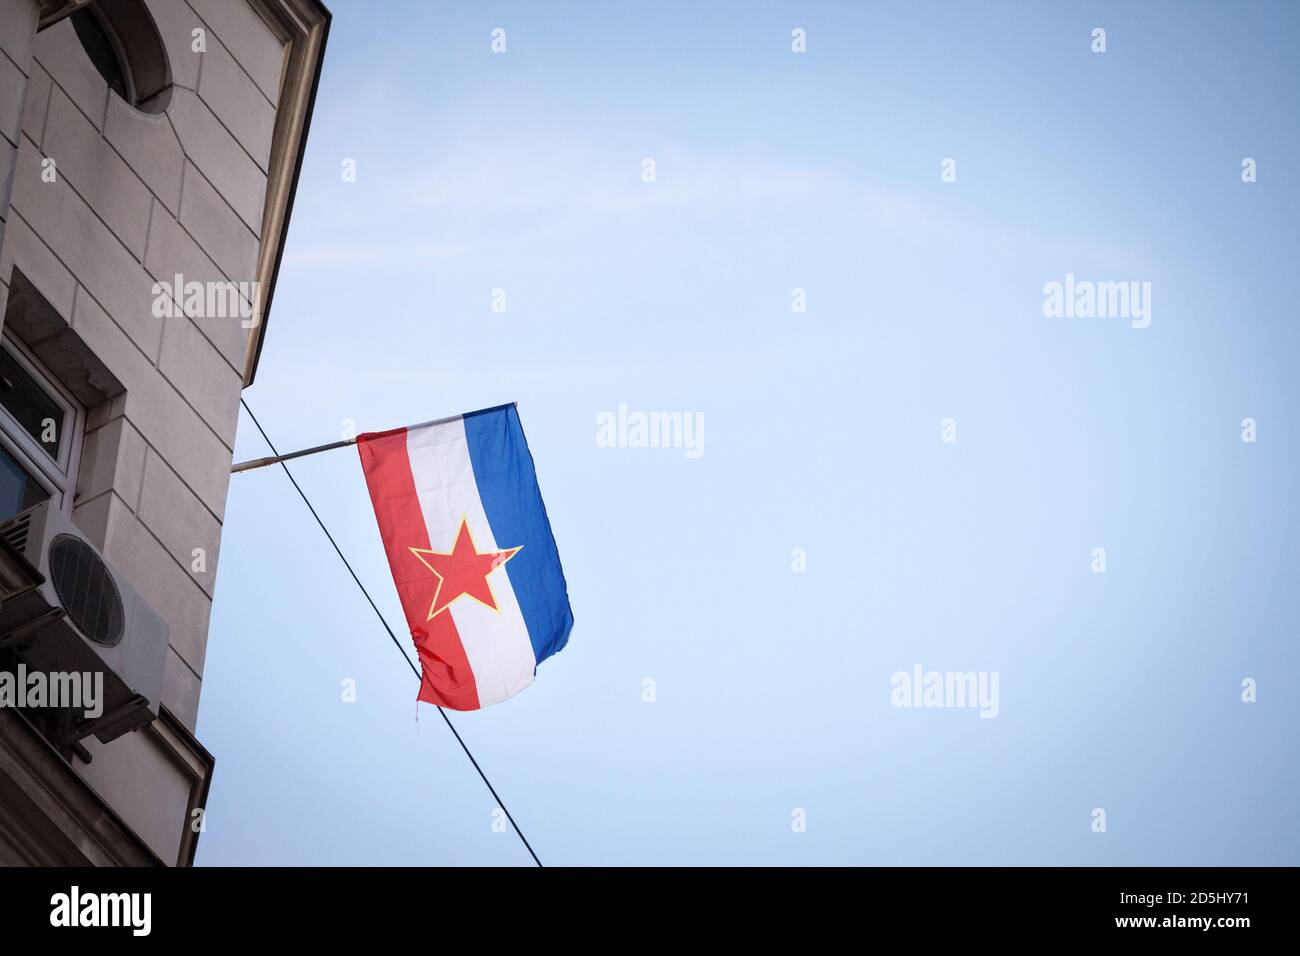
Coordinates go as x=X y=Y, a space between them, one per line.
x=463 y=571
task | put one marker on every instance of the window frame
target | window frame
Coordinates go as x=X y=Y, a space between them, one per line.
x=57 y=475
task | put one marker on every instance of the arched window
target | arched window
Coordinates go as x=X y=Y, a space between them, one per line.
x=123 y=42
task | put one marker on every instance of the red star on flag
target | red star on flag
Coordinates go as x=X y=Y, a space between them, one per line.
x=463 y=571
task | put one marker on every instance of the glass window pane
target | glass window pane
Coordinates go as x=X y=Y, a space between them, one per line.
x=38 y=414
x=18 y=490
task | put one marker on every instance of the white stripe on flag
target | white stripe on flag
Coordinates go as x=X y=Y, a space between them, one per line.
x=496 y=642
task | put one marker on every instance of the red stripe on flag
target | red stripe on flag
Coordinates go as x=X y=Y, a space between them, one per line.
x=448 y=680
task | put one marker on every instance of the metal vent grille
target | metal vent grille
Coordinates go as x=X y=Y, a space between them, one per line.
x=16 y=532
x=86 y=590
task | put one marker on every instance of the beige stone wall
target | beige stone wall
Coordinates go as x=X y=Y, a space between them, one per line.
x=138 y=198
x=17 y=38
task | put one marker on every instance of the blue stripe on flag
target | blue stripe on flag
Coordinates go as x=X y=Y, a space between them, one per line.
x=507 y=485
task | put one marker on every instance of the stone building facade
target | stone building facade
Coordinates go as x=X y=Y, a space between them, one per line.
x=148 y=155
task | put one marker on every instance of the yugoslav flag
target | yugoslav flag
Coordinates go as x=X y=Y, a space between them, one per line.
x=471 y=552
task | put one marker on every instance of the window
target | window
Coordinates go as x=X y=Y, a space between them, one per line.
x=102 y=50
x=122 y=41
x=35 y=411
x=18 y=489
x=40 y=429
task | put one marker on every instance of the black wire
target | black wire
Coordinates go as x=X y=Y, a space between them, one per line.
x=396 y=642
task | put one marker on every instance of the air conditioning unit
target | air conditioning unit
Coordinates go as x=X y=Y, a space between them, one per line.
x=84 y=617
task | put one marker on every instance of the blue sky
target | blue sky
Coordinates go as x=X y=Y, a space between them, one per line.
x=775 y=171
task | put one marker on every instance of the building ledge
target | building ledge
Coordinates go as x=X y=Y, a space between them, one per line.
x=48 y=815
x=303 y=26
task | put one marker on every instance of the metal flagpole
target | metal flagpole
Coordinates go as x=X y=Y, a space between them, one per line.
x=276 y=459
